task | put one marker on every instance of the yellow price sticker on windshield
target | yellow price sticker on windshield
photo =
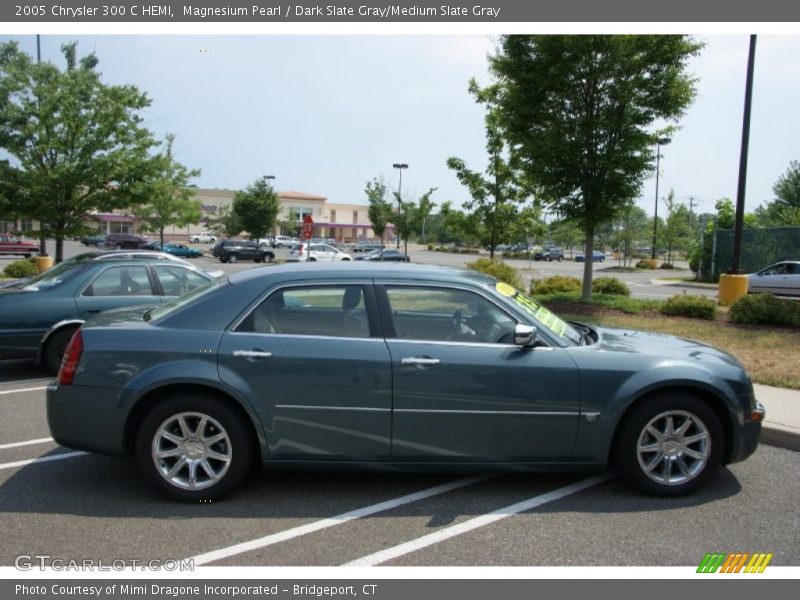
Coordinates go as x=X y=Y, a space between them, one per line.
x=505 y=290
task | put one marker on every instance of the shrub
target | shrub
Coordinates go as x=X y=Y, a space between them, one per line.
x=666 y=266
x=694 y=307
x=610 y=285
x=430 y=246
x=20 y=268
x=555 y=285
x=647 y=263
x=497 y=269
x=765 y=309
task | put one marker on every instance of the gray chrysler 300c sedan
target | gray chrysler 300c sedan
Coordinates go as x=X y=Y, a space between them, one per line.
x=402 y=365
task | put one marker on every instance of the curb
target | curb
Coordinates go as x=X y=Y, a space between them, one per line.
x=780 y=436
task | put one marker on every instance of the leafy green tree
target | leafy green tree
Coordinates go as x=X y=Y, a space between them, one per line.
x=410 y=217
x=169 y=199
x=580 y=111
x=494 y=198
x=77 y=144
x=527 y=224
x=565 y=233
x=380 y=211
x=256 y=208
x=676 y=232
x=785 y=209
x=633 y=226
x=227 y=223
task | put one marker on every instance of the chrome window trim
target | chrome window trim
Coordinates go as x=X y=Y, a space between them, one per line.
x=264 y=295
x=310 y=337
x=472 y=344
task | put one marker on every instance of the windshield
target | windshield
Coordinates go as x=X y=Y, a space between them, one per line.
x=541 y=315
x=167 y=308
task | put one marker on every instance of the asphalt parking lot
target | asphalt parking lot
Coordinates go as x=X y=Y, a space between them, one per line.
x=76 y=506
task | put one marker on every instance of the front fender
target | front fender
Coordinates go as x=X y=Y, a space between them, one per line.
x=603 y=405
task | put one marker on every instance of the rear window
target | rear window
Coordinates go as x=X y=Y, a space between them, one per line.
x=172 y=306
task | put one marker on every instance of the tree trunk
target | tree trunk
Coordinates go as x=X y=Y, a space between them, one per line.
x=161 y=238
x=59 y=247
x=588 y=250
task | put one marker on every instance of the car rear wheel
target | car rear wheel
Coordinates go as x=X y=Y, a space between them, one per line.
x=671 y=445
x=119 y=246
x=194 y=448
x=55 y=348
x=232 y=258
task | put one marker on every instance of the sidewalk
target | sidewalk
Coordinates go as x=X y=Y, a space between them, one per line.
x=781 y=427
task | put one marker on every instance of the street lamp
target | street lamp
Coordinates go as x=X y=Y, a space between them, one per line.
x=400 y=166
x=661 y=142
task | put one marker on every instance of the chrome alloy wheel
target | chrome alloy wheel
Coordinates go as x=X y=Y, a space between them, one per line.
x=191 y=450
x=673 y=447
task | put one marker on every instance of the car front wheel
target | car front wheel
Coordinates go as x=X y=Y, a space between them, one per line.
x=671 y=445
x=194 y=448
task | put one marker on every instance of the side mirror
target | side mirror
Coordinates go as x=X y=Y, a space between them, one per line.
x=524 y=336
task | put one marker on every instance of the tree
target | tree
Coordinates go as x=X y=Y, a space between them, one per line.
x=411 y=215
x=227 y=223
x=380 y=211
x=785 y=209
x=676 y=231
x=77 y=144
x=580 y=111
x=256 y=208
x=169 y=199
x=494 y=197
x=633 y=225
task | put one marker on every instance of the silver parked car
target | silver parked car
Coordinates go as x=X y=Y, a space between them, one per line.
x=781 y=279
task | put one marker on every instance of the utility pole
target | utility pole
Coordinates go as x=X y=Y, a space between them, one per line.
x=692 y=201
x=42 y=236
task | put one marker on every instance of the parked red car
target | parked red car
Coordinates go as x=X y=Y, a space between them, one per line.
x=10 y=245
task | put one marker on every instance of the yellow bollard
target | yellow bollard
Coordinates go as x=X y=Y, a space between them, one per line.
x=731 y=288
x=43 y=263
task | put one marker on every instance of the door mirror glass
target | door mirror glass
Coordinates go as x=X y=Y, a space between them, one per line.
x=524 y=336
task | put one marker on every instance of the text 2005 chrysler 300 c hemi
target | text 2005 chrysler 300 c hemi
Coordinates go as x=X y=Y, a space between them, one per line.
x=408 y=366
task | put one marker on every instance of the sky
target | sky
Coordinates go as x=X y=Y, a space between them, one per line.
x=324 y=114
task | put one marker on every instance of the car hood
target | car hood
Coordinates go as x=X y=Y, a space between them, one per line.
x=659 y=345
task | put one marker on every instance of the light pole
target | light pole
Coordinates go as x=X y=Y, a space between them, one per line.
x=661 y=142
x=400 y=166
x=267 y=178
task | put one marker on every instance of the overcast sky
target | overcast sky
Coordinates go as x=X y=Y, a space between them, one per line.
x=326 y=113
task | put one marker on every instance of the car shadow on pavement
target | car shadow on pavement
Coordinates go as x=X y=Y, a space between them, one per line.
x=99 y=486
x=13 y=370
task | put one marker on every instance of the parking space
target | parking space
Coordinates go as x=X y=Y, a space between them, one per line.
x=73 y=505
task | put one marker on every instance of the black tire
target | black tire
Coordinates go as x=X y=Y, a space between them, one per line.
x=312 y=259
x=267 y=258
x=345 y=260
x=119 y=246
x=280 y=245
x=238 y=447
x=55 y=348
x=232 y=258
x=223 y=260
x=257 y=259
x=695 y=471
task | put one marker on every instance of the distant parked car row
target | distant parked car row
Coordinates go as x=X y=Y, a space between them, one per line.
x=231 y=251
x=597 y=256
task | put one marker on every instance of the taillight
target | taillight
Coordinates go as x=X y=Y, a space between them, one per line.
x=72 y=356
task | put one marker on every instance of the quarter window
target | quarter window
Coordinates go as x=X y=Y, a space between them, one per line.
x=445 y=314
x=336 y=311
x=177 y=281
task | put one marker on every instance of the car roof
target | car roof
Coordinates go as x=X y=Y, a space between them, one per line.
x=345 y=269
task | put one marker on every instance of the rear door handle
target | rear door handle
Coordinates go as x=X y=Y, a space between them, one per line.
x=251 y=354
x=420 y=361
x=93 y=311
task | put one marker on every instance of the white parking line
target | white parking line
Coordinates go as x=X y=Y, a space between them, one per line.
x=28 y=443
x=454 y=530
x=33 y=461
x=282 y=536
x=33 y=389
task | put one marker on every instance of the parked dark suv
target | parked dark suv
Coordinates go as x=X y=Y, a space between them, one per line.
x=233 y=250
x=552 y=253
x=124 y=240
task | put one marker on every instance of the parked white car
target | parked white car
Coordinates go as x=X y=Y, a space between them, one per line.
x=203 y=238
x=318 y=252
x=781 y=279
x=282 y=241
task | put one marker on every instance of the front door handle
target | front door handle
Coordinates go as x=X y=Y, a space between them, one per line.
x=420 y=361
x=93 y=311
x=251 y=354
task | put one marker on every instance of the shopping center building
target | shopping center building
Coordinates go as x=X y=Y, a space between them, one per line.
x=343 y=222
